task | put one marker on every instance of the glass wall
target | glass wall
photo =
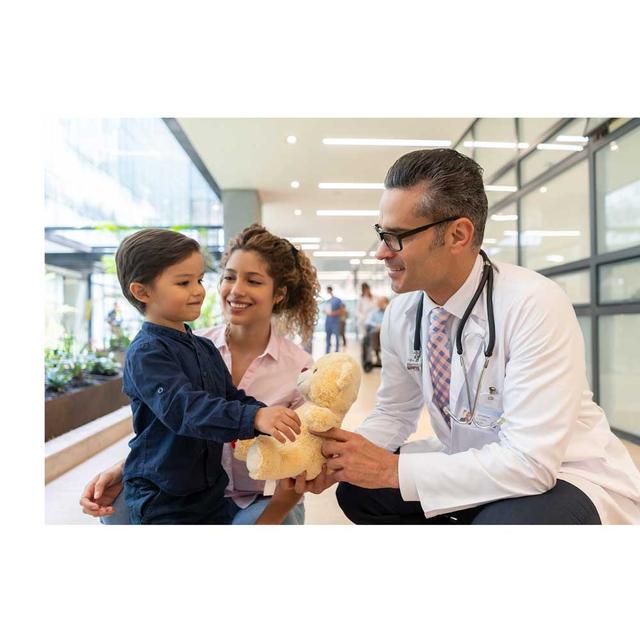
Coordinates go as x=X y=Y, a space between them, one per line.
x=128 y=171
x=575 y=217
x=618 y=193
x=104 y=178
x=555 y=220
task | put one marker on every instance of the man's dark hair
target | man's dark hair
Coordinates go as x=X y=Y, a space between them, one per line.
x=452 y=187
x=143 y=256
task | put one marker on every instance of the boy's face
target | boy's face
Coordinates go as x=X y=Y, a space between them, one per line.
x=177 y=294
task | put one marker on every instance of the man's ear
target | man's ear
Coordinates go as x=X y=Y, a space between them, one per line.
x=139 y=291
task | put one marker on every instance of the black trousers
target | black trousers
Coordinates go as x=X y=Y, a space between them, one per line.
x=564 y=504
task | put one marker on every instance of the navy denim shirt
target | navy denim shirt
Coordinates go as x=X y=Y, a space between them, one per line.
x=184 y=407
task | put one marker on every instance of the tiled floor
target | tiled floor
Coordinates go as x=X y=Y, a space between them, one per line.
x=62 y=495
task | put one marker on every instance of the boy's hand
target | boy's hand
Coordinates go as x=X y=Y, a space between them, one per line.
x=278 y=422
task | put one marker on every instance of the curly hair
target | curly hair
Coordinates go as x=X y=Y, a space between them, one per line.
x=289 y=267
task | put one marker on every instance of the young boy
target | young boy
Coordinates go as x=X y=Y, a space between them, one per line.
x=183 y=401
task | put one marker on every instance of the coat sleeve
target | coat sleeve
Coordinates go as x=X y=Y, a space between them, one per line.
x=541 y=397
x=399 y=400
x=157 y=379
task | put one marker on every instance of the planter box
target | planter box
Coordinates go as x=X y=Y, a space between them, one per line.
x=85 y=404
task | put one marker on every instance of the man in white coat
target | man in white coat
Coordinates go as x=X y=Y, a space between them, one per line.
x=524 y=444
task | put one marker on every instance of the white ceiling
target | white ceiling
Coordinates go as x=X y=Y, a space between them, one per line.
x=253 y=153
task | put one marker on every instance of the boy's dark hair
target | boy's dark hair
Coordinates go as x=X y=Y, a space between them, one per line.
x=453 y=186
x=143 y=256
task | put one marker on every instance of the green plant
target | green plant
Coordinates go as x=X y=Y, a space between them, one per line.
x=119 y=343
x=57 y=378
x=102 y=365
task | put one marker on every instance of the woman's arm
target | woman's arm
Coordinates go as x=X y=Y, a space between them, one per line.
x=282 y=501
x=101 y=492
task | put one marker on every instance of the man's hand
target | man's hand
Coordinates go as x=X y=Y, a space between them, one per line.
x=301 y=485
x=355 y=460
x=278 y=422
x=101 y=492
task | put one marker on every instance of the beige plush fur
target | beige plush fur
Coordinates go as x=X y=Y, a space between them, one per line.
x=330 y=387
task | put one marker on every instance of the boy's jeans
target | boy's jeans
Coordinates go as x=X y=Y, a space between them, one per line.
x=248 y=515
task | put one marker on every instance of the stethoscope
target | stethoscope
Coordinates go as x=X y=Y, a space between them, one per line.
x=415 y=359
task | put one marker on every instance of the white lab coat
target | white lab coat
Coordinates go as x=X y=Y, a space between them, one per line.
x=551 y=427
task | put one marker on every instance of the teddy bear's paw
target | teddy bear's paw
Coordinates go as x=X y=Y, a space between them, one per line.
x=263 y=459
x=241 y=449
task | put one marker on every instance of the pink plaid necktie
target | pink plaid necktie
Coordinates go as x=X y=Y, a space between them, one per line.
x=439 y=348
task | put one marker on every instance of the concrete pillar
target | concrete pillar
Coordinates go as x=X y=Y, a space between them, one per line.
x=242 y=207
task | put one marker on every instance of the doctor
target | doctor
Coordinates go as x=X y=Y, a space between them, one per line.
x=496 y=354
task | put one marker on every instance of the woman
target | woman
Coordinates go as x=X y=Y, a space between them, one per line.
x=267 y=288
x=364 y=306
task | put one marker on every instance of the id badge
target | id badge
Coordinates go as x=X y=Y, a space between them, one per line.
x=414 y=362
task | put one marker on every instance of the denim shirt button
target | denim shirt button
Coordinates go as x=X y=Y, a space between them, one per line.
x=160 y=389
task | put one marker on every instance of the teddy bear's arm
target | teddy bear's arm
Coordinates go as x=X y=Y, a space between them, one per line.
x=318 y=418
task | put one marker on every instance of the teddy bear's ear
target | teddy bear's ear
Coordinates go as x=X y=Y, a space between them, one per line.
x=344 y=375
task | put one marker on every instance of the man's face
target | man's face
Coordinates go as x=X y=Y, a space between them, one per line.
x=419 y=265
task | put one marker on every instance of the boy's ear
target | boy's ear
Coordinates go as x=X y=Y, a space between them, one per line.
x=139 y=291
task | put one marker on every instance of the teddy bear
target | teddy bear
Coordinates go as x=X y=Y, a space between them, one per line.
x=330 y=387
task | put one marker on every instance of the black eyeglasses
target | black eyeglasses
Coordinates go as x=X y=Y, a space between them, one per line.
x=394 y=240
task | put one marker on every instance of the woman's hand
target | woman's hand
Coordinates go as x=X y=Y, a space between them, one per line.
x=101 y=492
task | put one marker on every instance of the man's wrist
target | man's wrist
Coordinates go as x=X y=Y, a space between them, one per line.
x=393 y=479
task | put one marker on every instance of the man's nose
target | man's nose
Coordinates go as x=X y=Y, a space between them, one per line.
x=383 y=251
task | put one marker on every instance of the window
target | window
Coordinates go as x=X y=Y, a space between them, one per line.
x=620 y=370
x=494 y=130
x=500 y=235
x=618 y=193
x=502 y=187
x=620 y=282
x=576 y=285
x=561 y=146
x=555 y=220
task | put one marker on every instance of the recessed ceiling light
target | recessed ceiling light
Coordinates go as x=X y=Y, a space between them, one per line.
x=371 y=261
x=572 y=139
x=546 y=146
x=500 y=187
x=339 y=239
x=351 y=185
x=478 y=144
x=297 y=212
x=613 y=146
x=299 y=240
x=549 y=233
x=295 y=184
x=386 y=142
x=292 y=139
x=504 y=217
x=309 y=247
x=543 y=189
x=339 y=254
x=348 y=212
x=489 y=241
x=555 y=258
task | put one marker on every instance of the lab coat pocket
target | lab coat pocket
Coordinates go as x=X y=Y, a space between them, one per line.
x=485 y=427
